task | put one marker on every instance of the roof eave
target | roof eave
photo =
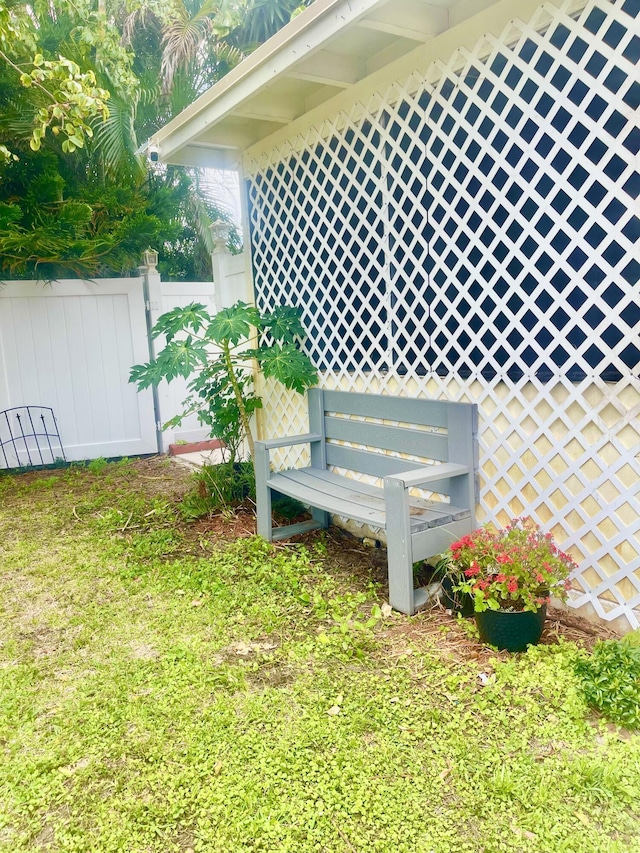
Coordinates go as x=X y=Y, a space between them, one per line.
x=304 y=35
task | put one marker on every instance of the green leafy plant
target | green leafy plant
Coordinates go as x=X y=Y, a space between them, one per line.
x=451 y=576
x=611 y=680
x=97 y=466
x=516 y=568
x=219 y=487
x=216 y=353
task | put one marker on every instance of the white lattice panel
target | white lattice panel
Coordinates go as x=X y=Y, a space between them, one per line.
x=471 y=232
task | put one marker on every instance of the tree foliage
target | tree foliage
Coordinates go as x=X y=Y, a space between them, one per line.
x=215 y=353
x=62 y=100
x=80 y=90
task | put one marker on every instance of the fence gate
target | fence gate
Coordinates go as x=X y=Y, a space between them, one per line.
x=69 y=346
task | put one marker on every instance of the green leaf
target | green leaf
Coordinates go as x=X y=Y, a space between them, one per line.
x=288 y=365
x=234 y=324
x=191 y=317
x=284 y=324
x=178 y=358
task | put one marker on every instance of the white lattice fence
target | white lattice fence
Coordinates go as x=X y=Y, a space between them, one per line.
x=471 y=232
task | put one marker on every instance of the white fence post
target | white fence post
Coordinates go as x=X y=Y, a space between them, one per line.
x=229 y=272
x=153 y=306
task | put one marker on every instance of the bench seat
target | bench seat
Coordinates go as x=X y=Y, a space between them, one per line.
x=359 y=501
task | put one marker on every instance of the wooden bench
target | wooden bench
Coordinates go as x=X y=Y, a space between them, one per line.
x=441 y=435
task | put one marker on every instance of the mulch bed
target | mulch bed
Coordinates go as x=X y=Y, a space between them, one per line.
x=351 y=559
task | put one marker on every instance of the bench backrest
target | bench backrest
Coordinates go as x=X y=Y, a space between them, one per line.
x=429 y=430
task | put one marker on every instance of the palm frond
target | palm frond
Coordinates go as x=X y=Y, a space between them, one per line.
x=182 y=39
x=115 y=141
x=227 y=53
x=190 y=29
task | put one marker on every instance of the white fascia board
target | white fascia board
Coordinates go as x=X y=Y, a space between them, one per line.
x=305 y=34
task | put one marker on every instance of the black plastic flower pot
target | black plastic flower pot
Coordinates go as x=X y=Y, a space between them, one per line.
x=511 y=631
x=454 y=600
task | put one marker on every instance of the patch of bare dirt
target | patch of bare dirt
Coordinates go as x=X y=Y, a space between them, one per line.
x=224 y=526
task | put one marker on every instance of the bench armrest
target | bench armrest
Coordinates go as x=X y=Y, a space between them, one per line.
x=428 y=473
x=289 y=440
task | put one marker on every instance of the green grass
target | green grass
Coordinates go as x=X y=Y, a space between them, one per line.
x=163 y=692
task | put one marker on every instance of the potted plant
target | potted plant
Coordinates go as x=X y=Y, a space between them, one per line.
x=511 y=575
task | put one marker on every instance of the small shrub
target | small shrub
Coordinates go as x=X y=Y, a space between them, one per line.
x=287 y=507
x=97 y=466
x=611 y=680
x=219 y=487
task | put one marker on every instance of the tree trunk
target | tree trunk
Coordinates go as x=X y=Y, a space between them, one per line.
x=244 y=418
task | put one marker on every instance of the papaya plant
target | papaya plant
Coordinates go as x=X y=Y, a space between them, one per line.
x=215 y=352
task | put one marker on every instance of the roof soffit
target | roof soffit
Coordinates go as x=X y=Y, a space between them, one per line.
x=322 y=55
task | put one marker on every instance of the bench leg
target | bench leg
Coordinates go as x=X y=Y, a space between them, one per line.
x=399 y=554
x=263 y=493
x=321 y=517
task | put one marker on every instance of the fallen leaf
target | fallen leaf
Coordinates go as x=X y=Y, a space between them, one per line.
x=524 y=833
x=582 y=818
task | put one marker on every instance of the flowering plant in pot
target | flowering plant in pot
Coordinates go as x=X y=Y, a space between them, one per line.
x=512 y=571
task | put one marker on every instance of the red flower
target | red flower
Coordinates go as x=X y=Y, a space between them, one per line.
x=516 y=562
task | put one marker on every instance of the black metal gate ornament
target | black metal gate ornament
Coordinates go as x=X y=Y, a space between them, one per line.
x=29 y=435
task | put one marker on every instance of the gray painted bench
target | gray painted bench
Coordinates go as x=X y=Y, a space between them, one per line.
x=442 y=433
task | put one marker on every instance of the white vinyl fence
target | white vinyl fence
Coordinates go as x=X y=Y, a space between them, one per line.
x=70 y=345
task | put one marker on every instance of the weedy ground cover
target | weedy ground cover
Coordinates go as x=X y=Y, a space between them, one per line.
x=165 y=690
